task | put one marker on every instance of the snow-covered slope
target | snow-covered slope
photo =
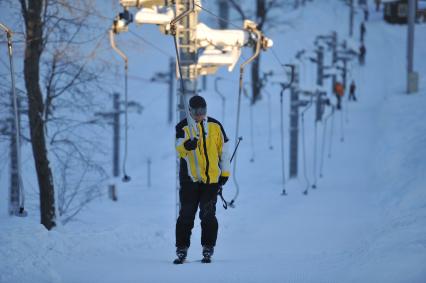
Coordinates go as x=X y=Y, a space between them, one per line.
x=366 y=221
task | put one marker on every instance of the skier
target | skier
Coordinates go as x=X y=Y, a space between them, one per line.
x=352 y=89
x=210 y=144
x=362 y=51
x=362 y=31
x=378 y=2
x=366 y=12
x=339 y=91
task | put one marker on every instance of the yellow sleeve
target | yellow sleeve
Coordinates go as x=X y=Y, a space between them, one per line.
x=225 y=163
x=181 y=138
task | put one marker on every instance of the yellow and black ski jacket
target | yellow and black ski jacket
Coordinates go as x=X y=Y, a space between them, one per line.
x=212 y=152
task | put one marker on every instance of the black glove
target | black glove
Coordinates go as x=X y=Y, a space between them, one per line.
x=223 y=180
x=190 y=144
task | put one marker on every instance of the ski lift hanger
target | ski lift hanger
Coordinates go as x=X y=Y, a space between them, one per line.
x=221 y=47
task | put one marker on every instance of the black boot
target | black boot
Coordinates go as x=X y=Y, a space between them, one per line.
x=181 y=255
x=207 y=254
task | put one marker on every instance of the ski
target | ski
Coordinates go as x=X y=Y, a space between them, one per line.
x=182 y=261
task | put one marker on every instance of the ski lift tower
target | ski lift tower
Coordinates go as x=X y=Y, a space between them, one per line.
x=186 y=36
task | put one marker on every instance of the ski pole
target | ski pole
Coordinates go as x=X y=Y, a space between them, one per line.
x=235 y=149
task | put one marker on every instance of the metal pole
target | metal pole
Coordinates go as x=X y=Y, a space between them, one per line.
x=334 y=60
x=116 y=146
x=334 y=44
x=222 y=97
x=282 y=142
x=320 y=65
x=204 y=82
x=149 y=172
x=172 y=71
x=16 y=204
x=412 y=77
x=314 y=185
x=187 y=57
x=251 y=133
x=271 y=147
x=344 y=67
x=187 y=54
x=294 y=127
x=116 y=135
x=351 y=18
x=14 y=172
x=318 y=105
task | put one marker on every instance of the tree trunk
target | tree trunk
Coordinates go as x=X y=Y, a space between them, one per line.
x=33 y=50
x=255 y=79
x=255 y=68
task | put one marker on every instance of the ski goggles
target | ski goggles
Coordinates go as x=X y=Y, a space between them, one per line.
x=198 y=111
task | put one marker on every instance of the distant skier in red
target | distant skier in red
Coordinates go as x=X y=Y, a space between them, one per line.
x=339 y=91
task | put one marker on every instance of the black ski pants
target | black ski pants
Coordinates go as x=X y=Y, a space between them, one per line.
x=339 y=102
x=194 y=195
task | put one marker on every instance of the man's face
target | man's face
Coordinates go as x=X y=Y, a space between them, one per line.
x=198 y=118
x=198 y=114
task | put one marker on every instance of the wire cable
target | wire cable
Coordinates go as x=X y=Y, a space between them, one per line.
x=222 y=97
x=347 y=112
x=86 y=11
x=324 y=140
x=276 y=57
x=269 y=120
x=314 y=185
x=342 y=130
x=154 y=46
x=234 y=175
x=331 y=135
x=216 y=16
x=236 y=26
x=251 y=134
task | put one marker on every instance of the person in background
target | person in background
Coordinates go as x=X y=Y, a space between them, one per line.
x=378 y=2
x=362 y=52
x=339 y=91
x=199 y=186
x=352 y=89
x=366 y=12
x=362 y=31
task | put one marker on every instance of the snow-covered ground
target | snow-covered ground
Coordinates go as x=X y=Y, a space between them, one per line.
x=366 y=221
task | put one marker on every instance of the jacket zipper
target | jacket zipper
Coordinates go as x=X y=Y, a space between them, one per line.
x=205 y=152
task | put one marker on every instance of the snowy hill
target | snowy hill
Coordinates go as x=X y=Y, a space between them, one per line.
x=366 y=221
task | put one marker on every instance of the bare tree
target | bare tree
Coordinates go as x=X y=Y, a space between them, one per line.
x=61 y=81
x=32 y=14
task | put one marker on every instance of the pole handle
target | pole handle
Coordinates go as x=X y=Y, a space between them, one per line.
x=235 y=149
